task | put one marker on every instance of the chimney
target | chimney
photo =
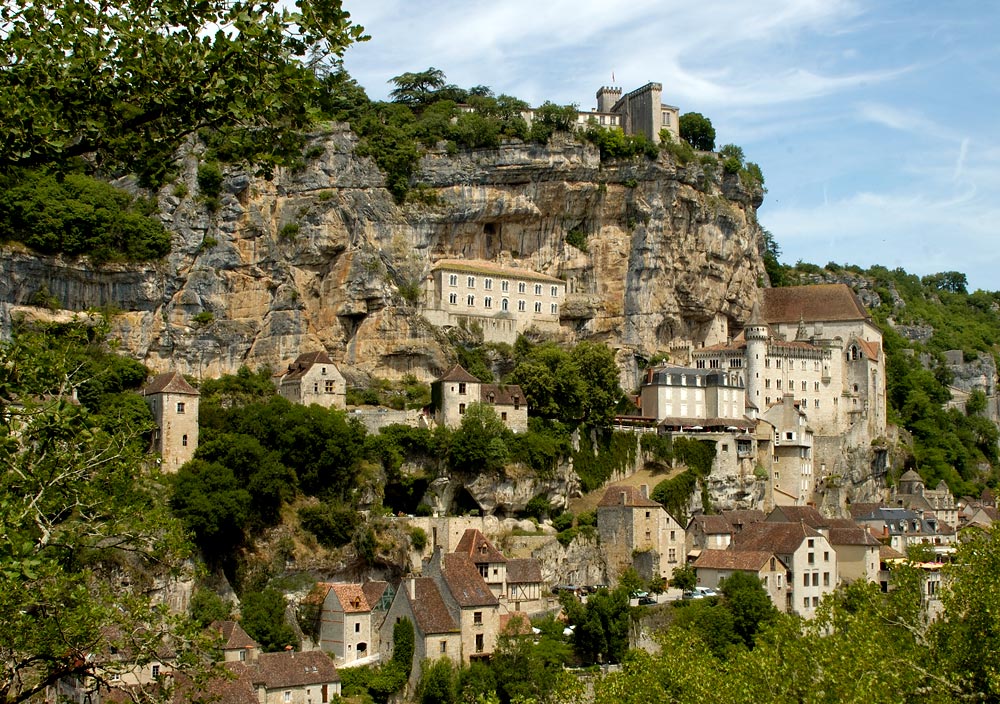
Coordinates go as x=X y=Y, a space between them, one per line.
x=644 y=490
x=624 y=497
x=411 y=587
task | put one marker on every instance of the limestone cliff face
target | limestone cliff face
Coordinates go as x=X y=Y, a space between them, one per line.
x=320 y=257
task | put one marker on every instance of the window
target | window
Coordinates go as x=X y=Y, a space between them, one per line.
x=538 y=289
x=803 y=365
x=520 y=306
x=470 y=300
x=777 y=384
x=673 y=535
x=520 y=287
x=815 y=601
x=666 y=119
x=815 y=579
x=517 y=402
x=672 y=555
x=243 y=656
x=538 y=306
x=488 y=284
x=700 y=364
x=553 y=308
x=767 y=363
x=811 y=558
x=480 y=642
x=503 y=416
x=328 y=387
x=471 y=282
x=554 y=291
x=826 y=556
x=453 y=280
x=484 y=572
x=803 y=386
x=815 y=386
x=777 y=364
x=816 y=403
x=461 y=388
x=826 y=579
x=805 y=579
x=604 y=119
x=488 y=302
x=725 y=447
x=461 y=409
x=647 y=514
x=811 y=542
x=477 y=617
x=791 y=385
x=767 y=383
x=805 y=602
x=444 y=646
x=287 y=696
x=184 y=440
x=504 y=304
x=156 y=670
x=322 y=370
x=504 y=285
x=773 y=561
x=180 y=406
x=453 y=298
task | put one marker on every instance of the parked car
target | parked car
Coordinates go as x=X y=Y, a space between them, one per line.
x=646 y=600
x=692 y=595
x=638 y=595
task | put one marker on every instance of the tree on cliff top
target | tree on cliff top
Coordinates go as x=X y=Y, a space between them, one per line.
x=125 y=84
x=697 y=130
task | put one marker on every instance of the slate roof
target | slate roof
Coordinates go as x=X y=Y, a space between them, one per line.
x=633 y=498
x=304 y=362
x=233 y=635
x=742 y=560
x=169 y=383
x=478 y=547
x=466 y=585
x=820 y=302
x=524 y=571
x=479 y=266
x=863 y=509
x=429 y=609
x=288 y=669
x=373 y=592
x=780 y=538
x=458 y=373
x=739 y=518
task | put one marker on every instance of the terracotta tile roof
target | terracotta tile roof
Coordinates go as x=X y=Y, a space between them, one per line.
x=428 y=607
x=288 y=669
x=863 y=509
x=798 y=514
x=515 y=624
x=351 y=597
x=633 y=498
x=852 y=536
x=871 y=349
x=503 y=394
x=458 y=373
x=233 y=635
x=478 y=547
x=821 y=302
x=780 y=538
x=304 y=362
x=466 y=585
x=526 y=570
x=479 y=266
x=218 y=690
x=743 y=517
x=169 y=383
x=743 y=560
x=711 y=524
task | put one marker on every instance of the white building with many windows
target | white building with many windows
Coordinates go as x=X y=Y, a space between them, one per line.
x=502 y=301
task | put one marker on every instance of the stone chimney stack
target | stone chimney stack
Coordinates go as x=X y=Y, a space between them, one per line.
x=644 y=490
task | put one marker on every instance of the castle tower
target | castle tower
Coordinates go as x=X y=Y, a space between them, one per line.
x=756 y=334
x=174 y=405
x=607 y=97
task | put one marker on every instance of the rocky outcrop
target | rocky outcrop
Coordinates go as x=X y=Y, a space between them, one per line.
x=321 y=257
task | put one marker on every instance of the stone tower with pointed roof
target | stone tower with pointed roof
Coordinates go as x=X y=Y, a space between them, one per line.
x=174 y=405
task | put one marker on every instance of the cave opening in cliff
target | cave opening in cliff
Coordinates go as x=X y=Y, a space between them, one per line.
x=464 y=504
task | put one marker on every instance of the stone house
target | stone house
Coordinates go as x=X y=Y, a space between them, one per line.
x=452 y=394
x=693 y=397
x=174 y=405
x=350 y=618
x=707 y=532
x=524 y=583
x=636 y=531
x=436 y=632
x=501 y=301
x=790 y=461
x=289 y=677
x=901 y=528
x=811 y=560
x=857 y=551
x=517 y=582
x=470 y=602
x=237 y=645
x=713 y=566
x=313 y=378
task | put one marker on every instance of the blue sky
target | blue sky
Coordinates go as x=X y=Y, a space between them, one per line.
x=876 y=123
